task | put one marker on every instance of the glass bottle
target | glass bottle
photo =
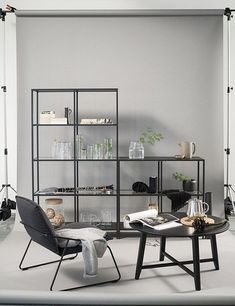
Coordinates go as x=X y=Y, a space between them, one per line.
x=79 y=145
x=54 y=149
x=108 y=148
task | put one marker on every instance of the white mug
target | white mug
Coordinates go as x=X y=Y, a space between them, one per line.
x=187 y=149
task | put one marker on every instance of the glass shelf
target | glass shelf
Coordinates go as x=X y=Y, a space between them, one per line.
x=129 y=192
x=80 y=193
x=71 y=159
x=71 y=125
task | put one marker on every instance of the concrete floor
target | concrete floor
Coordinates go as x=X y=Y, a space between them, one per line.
x=162 y=286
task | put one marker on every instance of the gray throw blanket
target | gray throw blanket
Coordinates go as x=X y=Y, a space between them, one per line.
x=93 y=246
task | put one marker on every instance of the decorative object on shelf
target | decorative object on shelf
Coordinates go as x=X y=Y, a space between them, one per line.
x=139 y=187
x=187 y=149
x=196 y=208
x=189 y=184
x=96 y=121
x=58 y=120
x=106 y=217
x=136 y=150
x=61 y=150
x=89 y=151
x=89 y=218
x=108 y=148
x=46 y=116
x=152 y=184
x=98 y=151
x=83 y=153
x=68 y=114
x=54 y=190
x=55 y=211
x=150 y=136
x=79 y=144
x=94 y=151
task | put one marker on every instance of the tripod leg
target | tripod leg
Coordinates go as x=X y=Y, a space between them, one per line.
x=12 y=189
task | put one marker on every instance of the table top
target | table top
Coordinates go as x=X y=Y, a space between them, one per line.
x=220 y=226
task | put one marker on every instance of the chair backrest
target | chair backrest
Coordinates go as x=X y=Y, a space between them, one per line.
x=36 y=223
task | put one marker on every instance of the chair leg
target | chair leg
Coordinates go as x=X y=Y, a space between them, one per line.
x=90 y=285
x=42 y=264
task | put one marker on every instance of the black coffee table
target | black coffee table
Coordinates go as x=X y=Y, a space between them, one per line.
x=183 y=231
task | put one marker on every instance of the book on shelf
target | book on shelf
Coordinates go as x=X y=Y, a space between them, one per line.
x=152 y=219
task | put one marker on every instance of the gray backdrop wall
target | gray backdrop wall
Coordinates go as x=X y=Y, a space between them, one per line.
x=169 y=71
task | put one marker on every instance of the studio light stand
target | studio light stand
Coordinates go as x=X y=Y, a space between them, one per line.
x=229 y=190
x=7 y=204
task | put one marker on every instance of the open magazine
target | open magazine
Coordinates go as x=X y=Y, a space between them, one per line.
x=152 y=219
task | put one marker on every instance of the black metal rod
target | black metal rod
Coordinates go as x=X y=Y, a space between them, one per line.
x=203 y=179
x=74 y=157
x=118 y=208
x=32 y=143
x=169 y=264
x=37 y=142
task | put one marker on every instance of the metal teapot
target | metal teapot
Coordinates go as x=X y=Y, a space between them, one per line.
x=196 y=208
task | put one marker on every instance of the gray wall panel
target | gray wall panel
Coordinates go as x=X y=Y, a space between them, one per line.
x=168 y=71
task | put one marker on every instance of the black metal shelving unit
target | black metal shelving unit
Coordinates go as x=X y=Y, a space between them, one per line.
x=116 y=227
x=37 y=159
x=159 y=161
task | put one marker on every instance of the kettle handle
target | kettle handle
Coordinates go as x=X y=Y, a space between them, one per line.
x=194 y=147
x=207 y=207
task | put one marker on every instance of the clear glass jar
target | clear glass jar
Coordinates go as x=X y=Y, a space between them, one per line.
x=136 y=150
x=54 y=210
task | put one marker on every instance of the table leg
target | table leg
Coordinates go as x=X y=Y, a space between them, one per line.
x=196 y=262
x=214 y=251
x=140 y=255
x=162 y=248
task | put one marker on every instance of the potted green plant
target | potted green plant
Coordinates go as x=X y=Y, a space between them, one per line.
x=188 y=183
x=136 y=148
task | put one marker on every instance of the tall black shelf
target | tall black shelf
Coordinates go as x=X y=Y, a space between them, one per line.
x=37 y=159
x=118 y=193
